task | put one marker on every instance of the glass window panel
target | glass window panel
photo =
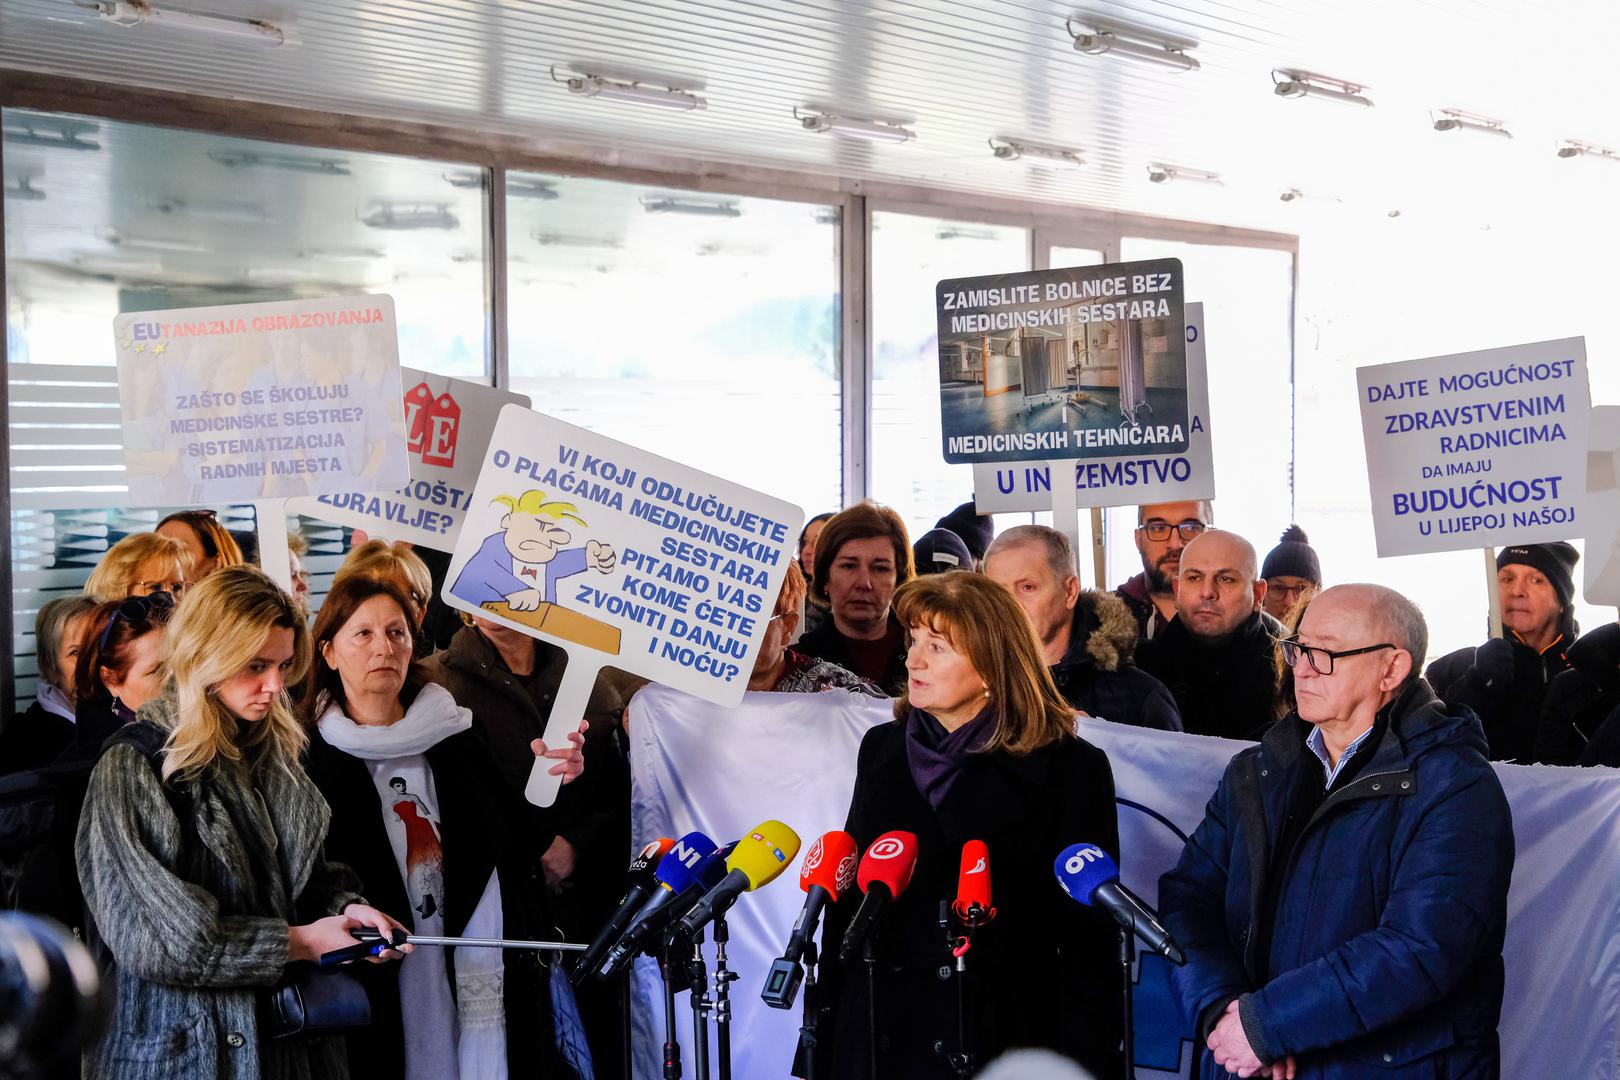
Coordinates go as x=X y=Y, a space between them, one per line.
x=1063 y=257
x=910 y=255
x=704 y=328
x=104 y=217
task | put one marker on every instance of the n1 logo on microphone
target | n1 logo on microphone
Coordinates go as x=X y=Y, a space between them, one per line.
x=685 y=855
x=888 y=847
x=1086 y=855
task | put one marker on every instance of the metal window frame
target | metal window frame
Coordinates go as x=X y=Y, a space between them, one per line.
x=500 y=154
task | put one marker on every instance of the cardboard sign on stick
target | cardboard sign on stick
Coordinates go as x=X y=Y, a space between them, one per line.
x=623 y=559
x=1128 y=480
x=1602 y=580
x=245 y=402
x=447 y=426
x=1477 y=449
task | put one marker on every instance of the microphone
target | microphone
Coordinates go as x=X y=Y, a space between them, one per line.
x=884 y=874
x=677 y=872
x=972 y=908
x=642 y=880
x=757 y=859
x=1089 y=875
x=826 y=874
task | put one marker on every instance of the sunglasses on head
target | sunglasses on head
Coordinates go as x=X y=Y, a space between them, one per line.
x=135 y=609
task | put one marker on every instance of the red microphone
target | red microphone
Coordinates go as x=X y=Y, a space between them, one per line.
x=827 y=873
x=884 y=874
x=972 y=907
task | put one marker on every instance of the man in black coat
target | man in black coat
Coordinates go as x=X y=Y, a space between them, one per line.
x=1580 y=715
x=1505 y=680
x=1088 y=638
x=1217 y=656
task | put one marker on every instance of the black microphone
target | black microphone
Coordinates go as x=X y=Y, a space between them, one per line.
x=885 y=872
x=642 y=882
x=708 y=873
x=1089 y=875
x=826 y=874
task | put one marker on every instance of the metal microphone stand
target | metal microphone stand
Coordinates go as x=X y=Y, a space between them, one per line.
x=961 y=1062
x=869 y=958
x=723 y=978
x=672 y=1046
x=699 y=975
x=807 y=1025
x=1127 y=959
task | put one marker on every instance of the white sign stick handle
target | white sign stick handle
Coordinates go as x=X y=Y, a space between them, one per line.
x=1066 y=505
x=271 y=515
x=566 y=711
x=1099 y=549
x=1493 y=591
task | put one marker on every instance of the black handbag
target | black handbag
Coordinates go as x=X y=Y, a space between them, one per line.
x=311 y=1000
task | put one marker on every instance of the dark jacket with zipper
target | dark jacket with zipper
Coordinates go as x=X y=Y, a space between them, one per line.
x=1580 y=716
x=483 y=831
x=1229 y=689
x=1387 y=913
x=1508 y=703
x=1097 y=673
x=826 y=643
x=1043 y=973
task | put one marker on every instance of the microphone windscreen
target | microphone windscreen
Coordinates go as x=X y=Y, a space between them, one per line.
x=830 y=863
x=764 y=853
x=1082 y=868
x=653 y=851
x=973 y=884
x=711 y=869
x=891 y=860
x=677 y=869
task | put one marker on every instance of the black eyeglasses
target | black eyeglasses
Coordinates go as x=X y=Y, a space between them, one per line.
x=1159 y=531
x=1322 y=659
x=135 y=609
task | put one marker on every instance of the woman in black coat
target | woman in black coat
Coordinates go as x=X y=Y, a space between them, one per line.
x=982 y=748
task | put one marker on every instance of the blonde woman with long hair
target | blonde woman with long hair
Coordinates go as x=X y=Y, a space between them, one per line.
x=982 y=748
x=139 y=565
x=206 y=874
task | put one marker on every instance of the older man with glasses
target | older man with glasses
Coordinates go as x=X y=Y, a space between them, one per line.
x=1162 y=530
x=1343 y=903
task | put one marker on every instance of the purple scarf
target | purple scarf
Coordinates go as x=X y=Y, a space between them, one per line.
x=936 y=756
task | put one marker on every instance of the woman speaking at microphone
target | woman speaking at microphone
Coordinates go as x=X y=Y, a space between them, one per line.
x=982 y=748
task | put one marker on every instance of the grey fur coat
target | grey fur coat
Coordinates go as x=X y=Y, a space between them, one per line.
x=196 y=914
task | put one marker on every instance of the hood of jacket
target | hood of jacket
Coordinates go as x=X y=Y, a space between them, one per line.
x=1102 y=634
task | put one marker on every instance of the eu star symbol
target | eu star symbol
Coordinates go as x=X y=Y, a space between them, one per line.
x=158 y=347
x=140 y=347
x=126 y=343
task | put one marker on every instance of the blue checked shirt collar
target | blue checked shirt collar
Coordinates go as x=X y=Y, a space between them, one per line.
x=1319 y=747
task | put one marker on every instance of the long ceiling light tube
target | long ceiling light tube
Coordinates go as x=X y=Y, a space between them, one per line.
x=587 y=85
x=1035 y=154
x=1573 y=148
x=130 y=13
x=1458 y=120
x=870 y=130
x=1293 y=83
x=1114 y=41
x=669 y=204
x=1161 y=173
x=246 y=159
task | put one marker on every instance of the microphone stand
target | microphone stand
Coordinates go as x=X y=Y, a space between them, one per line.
x=807 y=1026
x=723 y=978
x=626 y=1033
x=869 y=958
x=699 y=976
x=961 y=1062
x=672 y=1046
x=1127 y=958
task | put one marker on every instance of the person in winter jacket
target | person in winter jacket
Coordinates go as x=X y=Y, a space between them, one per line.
x=863 y=555
x=1293 y=573
x=1580 y=716
x=1087 y=638
x=1505 y=680
x=1343 y=903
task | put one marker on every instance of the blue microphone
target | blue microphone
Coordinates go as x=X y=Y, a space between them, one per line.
x=682 y=882
x=1088 y=874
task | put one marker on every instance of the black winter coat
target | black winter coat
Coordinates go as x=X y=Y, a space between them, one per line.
x=1044 y=973
x=1580 y=716
x=826 y=643
x=484 y=830
x=33 y=738
x=1507 y=704
x=1097 y=675
x=1228 y=690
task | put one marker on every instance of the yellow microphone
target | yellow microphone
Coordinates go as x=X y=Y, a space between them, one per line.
x=758 y=859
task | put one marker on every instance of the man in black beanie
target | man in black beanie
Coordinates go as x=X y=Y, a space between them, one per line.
x=1505 y=679
x=1292 y=572
x=976 y=530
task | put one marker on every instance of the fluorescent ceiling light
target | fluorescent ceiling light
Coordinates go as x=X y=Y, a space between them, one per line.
x=1160 y=173
x=1034 y=154
x=408 y=217
x=529 y=189
x=467 y=180
x=1292 y=195
x=1129 y=45
x=1570 y=148
x=152 y=243
x=210 y=210
x=957 y=232
x=636 y=93
x=24 y=129
x=871 y=130
x=342 y=254
x=1458 y=120
x=255 y=159
x=576 y=240
x=129 y=13
x=23 y=190
x=669 y=204
x=1290 y=83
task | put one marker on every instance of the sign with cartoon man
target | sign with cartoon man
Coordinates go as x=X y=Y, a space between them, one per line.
x=619 y=556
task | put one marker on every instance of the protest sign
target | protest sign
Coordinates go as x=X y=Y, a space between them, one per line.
x=1082 y=363
x=620 y=557
x=447 y=428
x=1476 y=449
x=1602 y=580
x=1128 y=480
x=249 y=402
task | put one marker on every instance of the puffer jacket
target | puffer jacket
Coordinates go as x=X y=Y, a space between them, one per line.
x=1580 y=715
x=195 y=906
x=1385 y=953
x=1097 y=673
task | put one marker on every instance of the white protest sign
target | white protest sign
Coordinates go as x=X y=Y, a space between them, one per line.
x=1477 y=449
x=1129 y=480
x=248 y=402
x=622 y=558
x=1602 y=581
x=447 y=427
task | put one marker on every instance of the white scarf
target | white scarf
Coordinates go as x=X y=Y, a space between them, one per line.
x=432 y=718
x=53 y=700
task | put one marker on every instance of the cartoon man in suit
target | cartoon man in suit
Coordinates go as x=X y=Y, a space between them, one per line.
x=523 y=562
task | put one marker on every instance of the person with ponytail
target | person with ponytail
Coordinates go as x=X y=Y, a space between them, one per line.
x=203 y=862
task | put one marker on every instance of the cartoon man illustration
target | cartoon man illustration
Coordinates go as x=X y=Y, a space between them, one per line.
x=523 y=562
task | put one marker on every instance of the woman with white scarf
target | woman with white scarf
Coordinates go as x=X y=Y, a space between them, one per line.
x=419 y=811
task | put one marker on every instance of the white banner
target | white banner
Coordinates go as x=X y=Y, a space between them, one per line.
x=1128 y=480
x=1602 y=583
x=792 y=757
x=1477 y=449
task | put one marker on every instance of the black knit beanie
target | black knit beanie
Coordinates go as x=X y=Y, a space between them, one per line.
x=1293 y=557
x=1556 y=562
